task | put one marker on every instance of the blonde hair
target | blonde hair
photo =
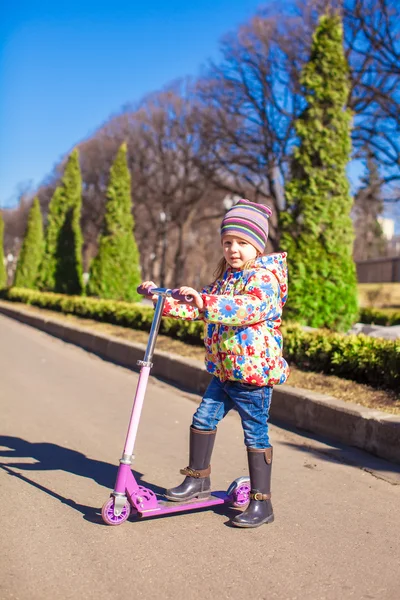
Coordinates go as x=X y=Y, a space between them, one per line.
x=223 y=265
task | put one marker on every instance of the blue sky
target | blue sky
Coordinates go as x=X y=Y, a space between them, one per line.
x=66 y=66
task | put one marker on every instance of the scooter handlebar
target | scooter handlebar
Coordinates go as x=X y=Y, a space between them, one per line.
x=180 y=297
x=164 y=292
x=145 y=291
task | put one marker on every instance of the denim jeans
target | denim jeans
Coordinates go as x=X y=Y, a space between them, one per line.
x=251 y=402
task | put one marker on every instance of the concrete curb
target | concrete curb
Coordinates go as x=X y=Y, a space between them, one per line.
x=370 y=430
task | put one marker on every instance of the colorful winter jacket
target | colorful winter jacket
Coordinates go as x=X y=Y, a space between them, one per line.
x=242 y=315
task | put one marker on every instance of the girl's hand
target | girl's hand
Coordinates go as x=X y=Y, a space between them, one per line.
x=147 y=285
x=197 y=299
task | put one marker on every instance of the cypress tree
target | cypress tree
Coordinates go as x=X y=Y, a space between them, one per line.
x=3 y=272
x=61 y=270
x=317 y=228
x=31 y=253
x=115 y=271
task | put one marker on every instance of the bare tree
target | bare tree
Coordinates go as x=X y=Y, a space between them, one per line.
x=171 y=183
x=372 y=41
x=253 y=97
x=97 y=155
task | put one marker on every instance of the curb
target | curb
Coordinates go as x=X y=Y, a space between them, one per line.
x=371 y=430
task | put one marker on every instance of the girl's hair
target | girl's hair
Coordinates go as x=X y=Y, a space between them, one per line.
x=223 y=265
x=220 y=269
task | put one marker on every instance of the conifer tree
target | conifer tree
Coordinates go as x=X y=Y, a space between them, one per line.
x=115 y=271
x=317 y=228
x=31 y=253
x=61 y=270
x=3 y=271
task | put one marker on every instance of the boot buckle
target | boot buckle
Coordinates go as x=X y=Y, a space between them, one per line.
x=197 y=474
x=259 y=496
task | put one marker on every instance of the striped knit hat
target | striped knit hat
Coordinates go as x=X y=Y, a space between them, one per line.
x=248 y=221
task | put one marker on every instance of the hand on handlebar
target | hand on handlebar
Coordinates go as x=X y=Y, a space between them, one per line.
x=146 y=285
x=196 y=301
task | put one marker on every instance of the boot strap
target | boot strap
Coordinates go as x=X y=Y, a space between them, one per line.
x=259 y=496
x=196 y=473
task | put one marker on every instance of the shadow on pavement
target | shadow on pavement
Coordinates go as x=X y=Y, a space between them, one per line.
x=89 y=512
x=350 y=456
x=52 y=457
x=337 y=451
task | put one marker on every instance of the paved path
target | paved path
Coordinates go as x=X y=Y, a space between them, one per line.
x=64 y=415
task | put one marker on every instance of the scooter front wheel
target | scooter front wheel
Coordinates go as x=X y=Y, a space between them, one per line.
x=108 y=515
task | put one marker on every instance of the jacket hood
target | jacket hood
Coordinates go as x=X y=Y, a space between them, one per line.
x=276 y=263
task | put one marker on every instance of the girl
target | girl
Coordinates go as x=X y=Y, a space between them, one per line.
x=242 y=312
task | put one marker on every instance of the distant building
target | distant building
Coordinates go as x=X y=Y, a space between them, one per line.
x=388 y=226
x=385 y=269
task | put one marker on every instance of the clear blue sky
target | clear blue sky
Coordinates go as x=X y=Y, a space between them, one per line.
x=66 y=66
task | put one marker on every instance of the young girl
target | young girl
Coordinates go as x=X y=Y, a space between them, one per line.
x=242 y=313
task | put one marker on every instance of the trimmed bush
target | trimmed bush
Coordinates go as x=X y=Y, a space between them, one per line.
x=360 y=358
x=376 y=316
x=115 y=272
x=61 y=269
x=317 y=230
x=356 y=357
x=31 y=254
x=125 y=314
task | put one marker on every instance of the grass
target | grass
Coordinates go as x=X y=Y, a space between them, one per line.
x=349 y=391
x=379 y=295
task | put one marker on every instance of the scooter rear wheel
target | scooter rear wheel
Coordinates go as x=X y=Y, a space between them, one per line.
x=108 y=516
x=239 y=491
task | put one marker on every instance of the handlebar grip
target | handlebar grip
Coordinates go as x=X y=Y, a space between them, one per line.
x=164 y=292
x=180 y=297
x=145 y=292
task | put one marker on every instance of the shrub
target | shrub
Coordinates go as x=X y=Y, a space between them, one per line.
x=359 y=358
x=31 y=253
x=61 y=269
x=317 y=231
x=115 y=272
x=376 y=316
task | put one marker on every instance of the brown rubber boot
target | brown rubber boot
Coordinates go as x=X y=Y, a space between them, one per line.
x=197 y=481
x=259 y=510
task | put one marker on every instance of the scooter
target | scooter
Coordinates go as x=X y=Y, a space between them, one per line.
x=130 y=497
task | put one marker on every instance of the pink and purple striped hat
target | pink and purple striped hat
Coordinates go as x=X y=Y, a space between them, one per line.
x=248 y=221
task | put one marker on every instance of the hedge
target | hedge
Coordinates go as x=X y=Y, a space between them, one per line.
x=357 y=357
x=373 y=361
x=375 y=316
x=125 y=314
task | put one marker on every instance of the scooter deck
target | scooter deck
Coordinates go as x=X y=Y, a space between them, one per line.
x=167 y=506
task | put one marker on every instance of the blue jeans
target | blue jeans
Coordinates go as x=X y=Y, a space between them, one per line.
x=251 y=402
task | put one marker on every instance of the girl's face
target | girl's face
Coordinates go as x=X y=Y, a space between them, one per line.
x=237 y=252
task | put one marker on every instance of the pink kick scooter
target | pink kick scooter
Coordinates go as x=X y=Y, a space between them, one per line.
x=128 y=496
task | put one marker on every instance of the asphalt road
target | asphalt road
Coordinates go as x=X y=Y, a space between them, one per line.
x=64 y=415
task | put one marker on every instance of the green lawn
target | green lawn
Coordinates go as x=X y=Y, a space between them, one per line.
x=379 y=295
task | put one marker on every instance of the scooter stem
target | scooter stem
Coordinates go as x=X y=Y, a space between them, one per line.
x=146 y=365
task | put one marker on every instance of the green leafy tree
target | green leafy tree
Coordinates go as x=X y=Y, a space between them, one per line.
x=3 y=272
x=115 y=271
x=61 y=270
x=31 y=253
x=317 y=228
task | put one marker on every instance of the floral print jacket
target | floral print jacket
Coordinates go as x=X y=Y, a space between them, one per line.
x=242 y=315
